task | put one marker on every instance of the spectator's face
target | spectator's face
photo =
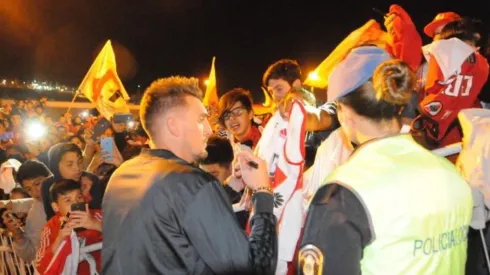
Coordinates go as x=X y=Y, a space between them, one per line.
x=278 y=88
x=33 y=187
x=70 y=166
x=219 y=172
x=78 y=120
x=39 y=110
x=48 y=121
x=62 y=120
x=16 y=120
x=64 y=201
x=238 y=120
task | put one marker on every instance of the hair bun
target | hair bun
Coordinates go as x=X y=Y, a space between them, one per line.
x=394 y=82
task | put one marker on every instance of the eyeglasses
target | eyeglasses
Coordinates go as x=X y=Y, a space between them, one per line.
x=236 y=112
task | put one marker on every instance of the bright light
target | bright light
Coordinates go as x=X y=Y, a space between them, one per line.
x=35 y=130
x=130 y=124
x=206 y=82
x=84 y=114
x=12 y=82
x=314 y=76
x=4 y=82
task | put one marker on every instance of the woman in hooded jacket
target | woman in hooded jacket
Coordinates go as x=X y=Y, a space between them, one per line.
x=65 y=162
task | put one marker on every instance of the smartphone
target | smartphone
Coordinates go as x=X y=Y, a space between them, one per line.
x=100 y=128
x=79 y=206
x=106 y=145
x=122 y=118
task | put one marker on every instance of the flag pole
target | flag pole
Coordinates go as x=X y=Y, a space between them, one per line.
x=72 y=101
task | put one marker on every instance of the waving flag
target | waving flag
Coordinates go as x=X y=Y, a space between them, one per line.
x=211 y=95
x=102 y=85
x=369 y=33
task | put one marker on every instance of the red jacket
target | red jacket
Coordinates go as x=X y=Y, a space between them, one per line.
x=50 y=232
x=444 y=99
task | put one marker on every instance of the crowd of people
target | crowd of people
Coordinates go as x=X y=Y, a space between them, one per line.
x=347 y=187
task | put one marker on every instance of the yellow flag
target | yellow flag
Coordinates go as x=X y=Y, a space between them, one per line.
x=369 y=33
x=211 y=96
x=267 y=107
x=102 y=86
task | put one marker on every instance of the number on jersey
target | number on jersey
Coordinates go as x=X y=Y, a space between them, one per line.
x=458 y=85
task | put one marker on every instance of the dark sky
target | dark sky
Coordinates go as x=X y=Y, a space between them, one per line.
x=57 y=39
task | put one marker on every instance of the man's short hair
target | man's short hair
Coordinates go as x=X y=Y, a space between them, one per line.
x=220 y=152
x=285 y=69
x=63 y=187
x=164 y=94
x=31 y=169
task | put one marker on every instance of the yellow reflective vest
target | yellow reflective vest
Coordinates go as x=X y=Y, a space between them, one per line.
x=418 y=205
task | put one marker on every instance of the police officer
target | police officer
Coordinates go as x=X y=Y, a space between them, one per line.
x=393 y=207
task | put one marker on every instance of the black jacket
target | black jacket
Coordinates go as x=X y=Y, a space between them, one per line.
x=163 y=215
x=336 y=232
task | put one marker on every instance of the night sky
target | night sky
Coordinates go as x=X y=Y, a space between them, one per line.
x=57 y=40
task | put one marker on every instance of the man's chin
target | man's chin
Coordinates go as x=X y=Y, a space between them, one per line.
x=199 y=158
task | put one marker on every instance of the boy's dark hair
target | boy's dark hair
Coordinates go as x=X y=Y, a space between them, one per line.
x=229 y=99
x=62 y=187
x=285 y=69
x=220 y=151
x=20 y=190
x=31 y=169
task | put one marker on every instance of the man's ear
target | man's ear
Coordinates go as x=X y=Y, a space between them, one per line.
x=55 y=207
x=173 y=125
x=251 y=114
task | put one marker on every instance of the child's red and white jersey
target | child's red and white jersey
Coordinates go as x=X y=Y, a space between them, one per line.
x=49 y=262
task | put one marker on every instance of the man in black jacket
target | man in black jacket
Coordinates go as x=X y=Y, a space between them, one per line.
x=164 y=215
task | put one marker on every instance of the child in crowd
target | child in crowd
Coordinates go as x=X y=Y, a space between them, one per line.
x=56 y=238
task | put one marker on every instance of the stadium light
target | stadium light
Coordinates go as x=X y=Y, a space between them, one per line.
x=35 y=131
x=314 y=76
